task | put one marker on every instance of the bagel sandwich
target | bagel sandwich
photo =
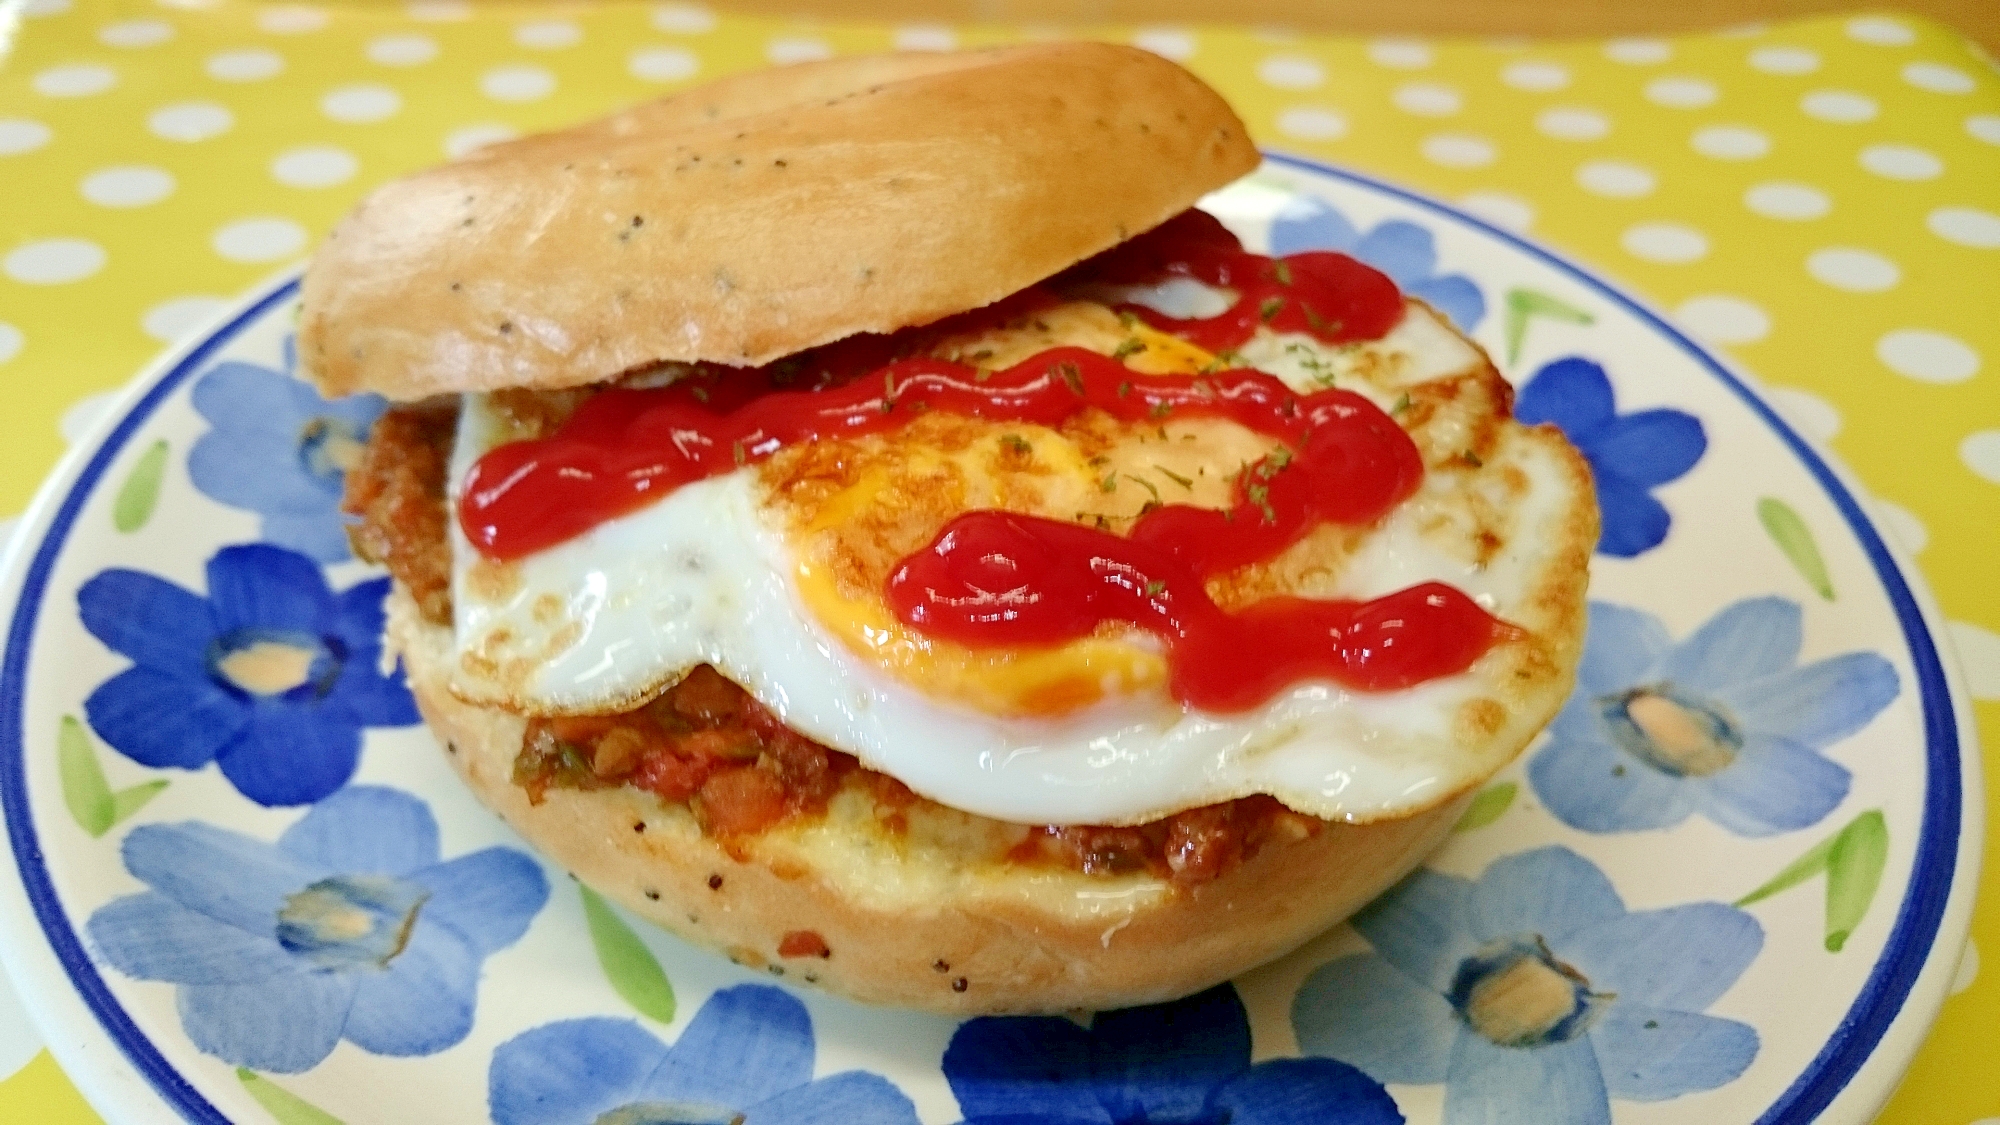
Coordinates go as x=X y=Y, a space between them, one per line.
x=862 y=518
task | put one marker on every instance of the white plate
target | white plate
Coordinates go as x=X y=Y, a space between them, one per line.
x=1829 y=717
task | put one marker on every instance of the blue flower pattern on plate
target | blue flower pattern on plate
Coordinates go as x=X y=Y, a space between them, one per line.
x=278 y=449
x=1533 y=994
x=1724 y=724
x=1184 y=1061
x=348 y=927
x=272 y=676
x=1403 y=250
x=1629 y=454
x=745 y=1059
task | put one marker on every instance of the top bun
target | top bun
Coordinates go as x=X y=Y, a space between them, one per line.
x=760 y=215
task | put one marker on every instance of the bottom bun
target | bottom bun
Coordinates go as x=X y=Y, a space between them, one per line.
x=929 y=914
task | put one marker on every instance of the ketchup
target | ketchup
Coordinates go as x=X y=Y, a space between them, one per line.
x=626 y=448
x=1328 y=296
x=995 y=579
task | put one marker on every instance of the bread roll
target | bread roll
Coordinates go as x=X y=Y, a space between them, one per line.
x=931 y=917
x=760 y=215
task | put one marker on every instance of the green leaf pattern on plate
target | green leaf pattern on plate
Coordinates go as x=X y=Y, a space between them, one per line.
x=1853 y=872
x=285 y=1107
x=1523 y=305
x=141 y=490
x=1852 y=860
x=91 y=802
x=628 y=964
x=1795 y=539
x=1487 y=807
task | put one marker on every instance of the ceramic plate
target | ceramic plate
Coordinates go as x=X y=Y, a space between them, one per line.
x=1728 y=884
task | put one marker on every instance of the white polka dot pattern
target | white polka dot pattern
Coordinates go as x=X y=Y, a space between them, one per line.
x=1291 y=72
x=1927 y=356
x=314 y=166
x=471 y=138
x=1571 y=123
x=1880 y=31
x=1682 y=93
x=132 y=35
x=19 y=135
x=1400 y=54
x=170 y=320
x=518 y=83
x=1312 y=123
x=190 y=122
x=132 y=185
x=252 y=64
x=1500 y=208
x=53 y=261
x=795 y=49
x=1939 y=78
x=402 y=50
x=663 y=64
x=1731 y=142
x=1459 y=150
x=1792 y=202
x=1721 y=318
x=548 y=35
x=1616 y=179
x=292 y=19
x=1167 y=42
x=1784 y=60
x=260 y=240
x=1841 y=106
x=1901 y=162
x=361 y=104
x=1853 y=269
x=1638 y=52
x=77 y=81
x=1967 y=226
x=1536 y=77
x=1428 y=99
x=1981 y=453
x=683 y=19
x=1665 y=242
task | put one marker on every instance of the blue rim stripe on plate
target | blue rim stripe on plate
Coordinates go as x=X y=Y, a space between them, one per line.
x=1922 y=912
x=165 y=1078
x=1851 y=1043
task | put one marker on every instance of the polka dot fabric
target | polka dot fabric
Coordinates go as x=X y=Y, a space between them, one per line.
x=1818 y=200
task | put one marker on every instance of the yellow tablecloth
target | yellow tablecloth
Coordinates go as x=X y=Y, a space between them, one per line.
x=1819 y=200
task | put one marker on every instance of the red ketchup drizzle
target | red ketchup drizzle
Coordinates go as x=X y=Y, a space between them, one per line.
x=995 y=578
x=1326 y=295
x=625 y=448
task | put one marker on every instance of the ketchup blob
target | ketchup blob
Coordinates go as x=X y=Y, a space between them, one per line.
x=1001 y=579
x=1329 y=296
x=626 y=448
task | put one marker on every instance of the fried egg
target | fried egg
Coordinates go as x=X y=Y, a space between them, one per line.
x=774 y=574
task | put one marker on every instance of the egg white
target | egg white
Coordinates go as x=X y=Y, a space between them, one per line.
x=600 y=622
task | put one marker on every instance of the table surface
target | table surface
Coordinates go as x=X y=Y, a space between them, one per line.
x=1923 y=437
x=1978 y=20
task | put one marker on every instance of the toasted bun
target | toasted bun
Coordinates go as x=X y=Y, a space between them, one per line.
x=760 y=215
x=923 y=917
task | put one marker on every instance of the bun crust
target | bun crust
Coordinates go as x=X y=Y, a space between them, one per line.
x=922 y=918
x=754 y=217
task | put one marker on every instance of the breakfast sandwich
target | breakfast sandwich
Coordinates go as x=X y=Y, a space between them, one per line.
x=861 y=518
